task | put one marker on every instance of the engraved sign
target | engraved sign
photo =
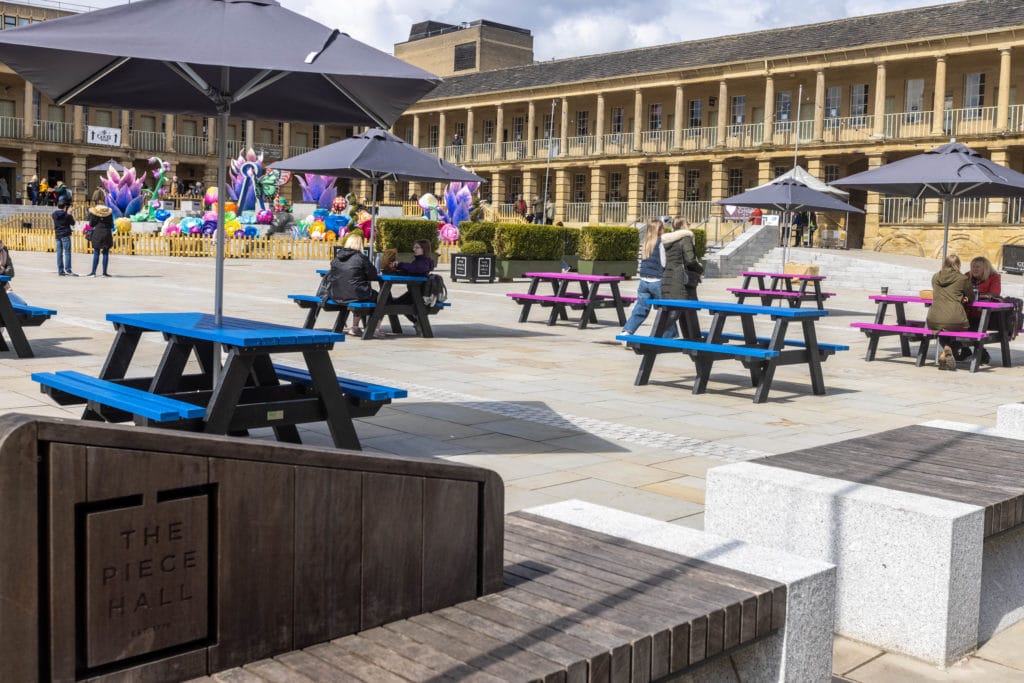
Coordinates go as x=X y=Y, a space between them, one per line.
x=146 y=578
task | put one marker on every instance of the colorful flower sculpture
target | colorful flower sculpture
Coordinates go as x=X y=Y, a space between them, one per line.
x=124 y=191
x=319 y=189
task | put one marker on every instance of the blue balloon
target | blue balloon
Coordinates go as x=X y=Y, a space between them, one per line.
x=247 y=218
x=161 y=214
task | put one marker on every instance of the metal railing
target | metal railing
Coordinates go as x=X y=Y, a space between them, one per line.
x=654 y=141
x=786 y=132
x=699 y=138
x=148 y=140
x=577 y=212
x=849 y=128
x=270 y=150
x=485 y=151
x=897 y=210
x=745 y=135
x=695 y=211
x=968 y=210
x=970 y=121
x=1012 y=211
x=235 y=147
x=614 y=212
x=455 y=154
x=295 y=150
x=618 y=143
x=581 y=145
x=908 y=124
x=544 y=145
x=647 y=210
x=190 y=144
x=433 y=151
x=1015 y=121
x=53 y=131
x=11 y=127
x=514 y=150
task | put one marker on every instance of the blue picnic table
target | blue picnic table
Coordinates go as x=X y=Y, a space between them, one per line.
x=417 y=310
x=761 y=355
x=14 y=317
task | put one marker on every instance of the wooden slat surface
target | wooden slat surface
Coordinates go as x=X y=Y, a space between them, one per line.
x=579 y=606
x=977 y=469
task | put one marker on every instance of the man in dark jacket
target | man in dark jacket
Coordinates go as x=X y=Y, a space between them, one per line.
x=62 y=193
x=62 y=222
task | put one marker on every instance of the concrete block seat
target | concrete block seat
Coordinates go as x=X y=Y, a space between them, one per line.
x=925 y=525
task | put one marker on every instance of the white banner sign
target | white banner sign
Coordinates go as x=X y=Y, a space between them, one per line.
x=99 y=135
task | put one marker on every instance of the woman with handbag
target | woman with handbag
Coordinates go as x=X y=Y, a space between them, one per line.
x=101 y=235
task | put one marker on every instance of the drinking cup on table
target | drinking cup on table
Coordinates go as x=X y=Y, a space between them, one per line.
x=885 y=290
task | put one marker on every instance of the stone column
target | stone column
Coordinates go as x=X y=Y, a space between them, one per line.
x=561 y=192
x=1003 y=97
x=497 y=188
x=442 y=133
x=872 y=206
x=769 y=110
x=250 y=134
x=322 y=135
x=599 y=125
x=819 y=106
x=469 y=135
x=814 y=166
x=169 y=132
x=939 y=99
x=125 y=132
x=638 y=117
x=635 y=187
x=77 y=124
x=529 y=188
x=598 y=186
x=879 y=100
x=211 y=136
x=531 y=119
x=29 y=168
x=563 y=137
x=499 y=132
x=997 y=205
x=677 y=119
x=719 y=182
x=29 y=115
x=77 y=180
x=723 y=112
x=416 y=130
x=676 y=189
x=764 y=171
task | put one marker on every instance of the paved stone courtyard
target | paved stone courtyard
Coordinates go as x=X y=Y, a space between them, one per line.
x=552 y=409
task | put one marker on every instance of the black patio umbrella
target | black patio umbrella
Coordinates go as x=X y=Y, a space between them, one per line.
x=789 y=196
x=102 y=168
x=948 y=171
x=247 y=58
x=376 y=155
x=4 y=161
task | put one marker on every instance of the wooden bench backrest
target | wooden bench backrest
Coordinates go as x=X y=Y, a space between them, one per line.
x=170 y=558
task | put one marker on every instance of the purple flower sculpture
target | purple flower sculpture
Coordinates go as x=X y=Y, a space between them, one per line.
x=124 y=191
x=319 y=189
x=245 y=171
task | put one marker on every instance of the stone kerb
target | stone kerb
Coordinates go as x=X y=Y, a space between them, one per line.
x=909 y=566
x=801 y=652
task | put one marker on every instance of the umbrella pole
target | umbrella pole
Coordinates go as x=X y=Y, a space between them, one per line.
x=784 y=231
x=945 y=232
x=218 y=278
x=373 y=215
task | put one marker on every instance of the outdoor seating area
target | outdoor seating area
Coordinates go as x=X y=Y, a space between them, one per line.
x=585 y=297
x=792 y=288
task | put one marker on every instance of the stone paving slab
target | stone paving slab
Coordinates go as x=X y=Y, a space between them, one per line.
x=552 y=409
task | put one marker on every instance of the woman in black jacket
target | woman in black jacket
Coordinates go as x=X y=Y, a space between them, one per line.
x=101 y=235
x=354 y=277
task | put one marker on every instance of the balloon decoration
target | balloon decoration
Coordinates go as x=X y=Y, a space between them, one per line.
x=449 y=233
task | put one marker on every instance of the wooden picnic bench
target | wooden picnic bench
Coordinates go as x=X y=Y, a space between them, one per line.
x=772 y=287
x=14 y=317
x=918 y=332
x=587 y=299
x=314 y=305
x=759 y=354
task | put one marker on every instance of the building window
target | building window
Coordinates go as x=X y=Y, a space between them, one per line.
x=265 y=136
x=104 y=117
x=831 y=172
x=735 y=181
x=696 y=113
x=583 y=123
x=651 y=186
x=779 y=170
x=55 y=113
x=654 y=117
x=489 y=130
x=10 y=22
x=7 y=109
x=515 y=187
x=859 y=103
x=316 y=136
x=833 y=103
x=617 y=119
x=615 y=187
x=549 y=125
x=974 y=90
x=465 y=56
x=784 y=108
x=518 y=124
x=739 y=110
x=24 y=21
x=579 y=187
x=692 y=183
x=460 y=130
x=914 y=100
x=433 y=133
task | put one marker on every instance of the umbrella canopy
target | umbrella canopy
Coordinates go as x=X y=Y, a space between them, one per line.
x=799 y=174
x=4 y=161
x=948 y=171
x=788 y=195
x=197 y=57
x=102 y=168
x=376 y=155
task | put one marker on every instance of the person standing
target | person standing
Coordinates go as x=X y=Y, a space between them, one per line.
x=652 y=266
x=62 y=223
x=682 y=269
x=5 y=192
x=549 y=212
x=99 y=196
x=33 y=190
x=101 y=236
x=537 y=206
x=62 y=193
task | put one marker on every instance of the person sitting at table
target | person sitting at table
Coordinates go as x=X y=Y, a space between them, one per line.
x=421 y=264
x=950 y=289
x=682 y=269
x=652 y=267
x=984 y=280
x=7 y=268
x=356 y=274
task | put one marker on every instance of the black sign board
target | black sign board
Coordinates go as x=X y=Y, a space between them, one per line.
x=1013 y=258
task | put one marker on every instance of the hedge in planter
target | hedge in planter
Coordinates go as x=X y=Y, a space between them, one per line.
x=525 y=248
x=608 y=250
x=400 y=233
x=470 y=231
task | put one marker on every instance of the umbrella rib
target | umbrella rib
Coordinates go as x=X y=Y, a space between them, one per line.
x=91 y=80
x=344 y=91
x=255 y=85
x=192 y=78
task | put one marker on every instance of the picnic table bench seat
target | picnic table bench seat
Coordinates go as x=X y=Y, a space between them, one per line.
x=578 y=606
x=794 y=298
x=101 y=395
x=14 y=317
x=314 y=305
x=31 y=316
x=917 y=331
x=639 y=342
x=364 y=398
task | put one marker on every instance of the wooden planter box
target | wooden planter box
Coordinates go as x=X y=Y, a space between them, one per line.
x=473 y=267
x=513 y=269
x=623 y=268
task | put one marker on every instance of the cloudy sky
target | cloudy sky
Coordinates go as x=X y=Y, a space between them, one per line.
x=569 y=28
